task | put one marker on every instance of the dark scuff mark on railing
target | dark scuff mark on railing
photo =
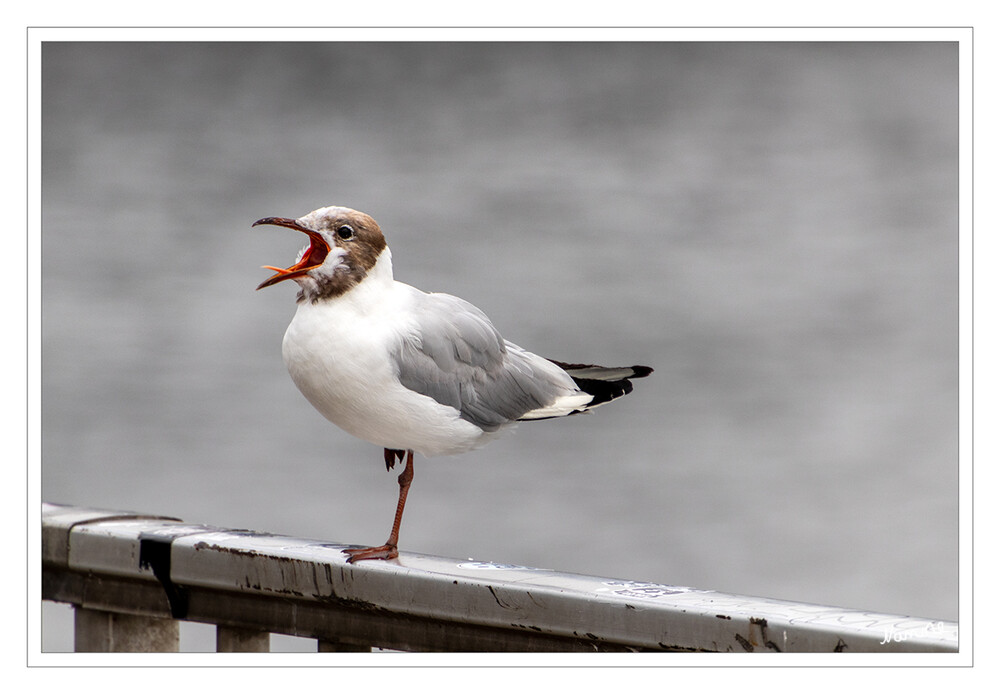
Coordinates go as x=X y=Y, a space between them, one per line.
x=761 y=623
x=154 y=553
x=500 y=602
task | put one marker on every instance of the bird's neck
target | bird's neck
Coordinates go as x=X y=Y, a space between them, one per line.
x=372 y=286
x=382 y=272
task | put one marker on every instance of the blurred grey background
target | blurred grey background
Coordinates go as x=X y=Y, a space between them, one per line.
x=773 y=227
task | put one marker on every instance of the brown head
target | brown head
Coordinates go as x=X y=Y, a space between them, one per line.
x=344 y=246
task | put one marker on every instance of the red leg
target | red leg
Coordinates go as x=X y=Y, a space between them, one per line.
x=388 y=550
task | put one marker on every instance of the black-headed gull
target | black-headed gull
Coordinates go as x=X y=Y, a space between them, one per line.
x=409 y=370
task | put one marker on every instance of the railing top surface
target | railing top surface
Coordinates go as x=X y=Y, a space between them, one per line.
x=639 y=614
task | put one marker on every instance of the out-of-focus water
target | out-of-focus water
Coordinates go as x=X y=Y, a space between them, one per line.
x=773 y=227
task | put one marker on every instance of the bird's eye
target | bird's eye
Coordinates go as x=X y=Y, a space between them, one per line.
x=345 y=231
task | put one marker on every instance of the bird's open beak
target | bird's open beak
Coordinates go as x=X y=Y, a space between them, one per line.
x=312 y=258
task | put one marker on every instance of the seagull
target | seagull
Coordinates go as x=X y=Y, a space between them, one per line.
x=407 y=370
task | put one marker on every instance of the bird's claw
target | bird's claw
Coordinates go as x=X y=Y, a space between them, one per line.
x=391 y=455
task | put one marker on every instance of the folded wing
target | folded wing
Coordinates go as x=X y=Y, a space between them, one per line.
x=457 y=357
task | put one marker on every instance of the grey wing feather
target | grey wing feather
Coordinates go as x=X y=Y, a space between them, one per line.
x=457 y=357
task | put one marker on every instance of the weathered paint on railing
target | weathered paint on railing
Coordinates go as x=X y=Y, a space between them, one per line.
x=250 y=583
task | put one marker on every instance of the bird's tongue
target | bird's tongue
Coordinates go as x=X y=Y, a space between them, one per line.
x=313 y=257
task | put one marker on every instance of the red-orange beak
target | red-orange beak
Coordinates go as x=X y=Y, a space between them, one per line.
x=312 y=258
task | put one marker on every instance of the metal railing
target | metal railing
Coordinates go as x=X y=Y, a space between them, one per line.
x=131 y=577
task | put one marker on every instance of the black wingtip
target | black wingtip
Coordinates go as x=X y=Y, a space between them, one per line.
x=604 y=372
x=603 y=391
x=603 y=382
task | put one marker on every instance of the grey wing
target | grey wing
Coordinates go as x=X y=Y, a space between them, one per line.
x=457 y=357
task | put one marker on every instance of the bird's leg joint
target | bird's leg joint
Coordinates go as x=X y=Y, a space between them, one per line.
x=406 y=476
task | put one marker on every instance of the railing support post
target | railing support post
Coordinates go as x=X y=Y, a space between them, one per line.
x=97 y=631
x=237 y=640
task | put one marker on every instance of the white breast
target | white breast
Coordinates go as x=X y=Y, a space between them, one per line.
x=339 y=354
